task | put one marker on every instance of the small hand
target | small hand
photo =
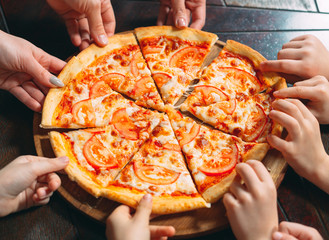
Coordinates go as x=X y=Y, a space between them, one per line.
x=294 y=231
x=28 y=181
x=86 y=19
x=25 y=70
x=302 y=149
x=304 y=56
x=121 y=225
x=251 y=205
x=177 y=13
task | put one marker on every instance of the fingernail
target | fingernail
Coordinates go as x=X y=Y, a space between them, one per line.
x=54 y=80
x=148 y=197
x=277 y=236
x=64 y=159
x=181 y=22
x=103 y=39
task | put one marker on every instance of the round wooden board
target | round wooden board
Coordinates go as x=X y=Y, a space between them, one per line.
x=187 y=224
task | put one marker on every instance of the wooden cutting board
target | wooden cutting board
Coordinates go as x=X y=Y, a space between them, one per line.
x=188 y=224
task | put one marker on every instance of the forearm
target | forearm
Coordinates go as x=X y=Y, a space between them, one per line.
x=321 y=177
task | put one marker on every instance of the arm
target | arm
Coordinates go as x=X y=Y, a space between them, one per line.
x=28 y=181
x=25 y=70
x=303 y=148
x=177 y=13
x=86 y=19
x=251 y=207
x=304 y=56
x=121 y=225
x=294 y=231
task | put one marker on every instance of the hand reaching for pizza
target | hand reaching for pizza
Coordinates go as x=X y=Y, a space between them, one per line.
x=304 y=56
x=178 y=12
x=121 y=225
x=316 y=91
x=86 y=19
x=302 y=149
x=28 y=181
x=25 y=70
x=251 y=206
x=294 y=231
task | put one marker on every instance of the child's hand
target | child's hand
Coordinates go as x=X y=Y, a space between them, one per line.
x=304 y=56
x=121 y=225
x=28 y=181
x=316 y=90
x=251 y=206
x=303 y=148
x=294 y=231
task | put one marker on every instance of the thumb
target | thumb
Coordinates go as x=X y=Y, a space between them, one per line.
x=48 y=165
x=144 y=210
x=179 y=13
x=282 y=236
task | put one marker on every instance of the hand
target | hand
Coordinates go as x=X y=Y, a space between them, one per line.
x=316 y=91
x=86 y=19
x=24 y=70
x=28 y=181
x=295 y=231
x=177 y=13
x=303 y=148
x=121 y=225
x=304 y=56
x=251 y=207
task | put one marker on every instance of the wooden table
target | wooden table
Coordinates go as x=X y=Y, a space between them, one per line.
x=260 y=26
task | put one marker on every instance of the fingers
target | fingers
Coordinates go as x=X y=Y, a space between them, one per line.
x=285 y=66
x=230 y=201
x=198 y=17
x=278 y=143
x=179 y=13
x=303 y=92
x=163 y=13
x=282 y=236
x=108 y=17
x=260 y=170
x=298 y=230
x=26 y=99
x=120 y=212
x=238 y=190
x=144 y=210
x=72 y=26
x=159 y=232
x=290 y=53
x=42 y=166
x=84 y=33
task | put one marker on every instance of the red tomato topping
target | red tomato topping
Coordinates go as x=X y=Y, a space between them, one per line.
x=155 y=174
x=256 y=124
x=100 y=88
x=168 y=146
x=223 y=163
x=137 y=62
x=114 y=80
x=151 y=50
x=188 y=137
x=142 y=86
x=188 y=58
x=161 y=78
x=97 y=155
x=125 y=125
x=83 y=111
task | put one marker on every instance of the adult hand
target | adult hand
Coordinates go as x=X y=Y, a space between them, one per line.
x=178 y=12
x=28 y=181
x=316 y=91
x=86 y=19
x=251 y=203
x=302 y=149
x=25 y=70
x=295 y=231
x=304 y=56
x=121 y=225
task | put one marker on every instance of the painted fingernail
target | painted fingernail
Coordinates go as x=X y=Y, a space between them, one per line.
x=103 y=39
x=277 y=236
x=54 y=80
x=181 y=22
x=148 y=197
x=64 y=159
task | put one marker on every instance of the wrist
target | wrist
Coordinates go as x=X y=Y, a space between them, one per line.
x=321 y=176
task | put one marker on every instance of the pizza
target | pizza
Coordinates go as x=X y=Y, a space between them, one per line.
x=125 y=135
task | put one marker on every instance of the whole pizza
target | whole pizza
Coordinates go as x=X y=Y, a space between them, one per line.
x=144 y=115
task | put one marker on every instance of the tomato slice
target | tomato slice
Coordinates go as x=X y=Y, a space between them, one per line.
x=223 y=163
x=168 y=146
x=83 y=111
x=161 y=79
x=188 y=58
x=125 y=125
x=256 y=124
x=97 y=155
x=152 y=50
x=137 y=63
x=211 y=94
x=142 y=86
x=188 y=137
x=155 y=174
x=114 y=80
x=100 y=88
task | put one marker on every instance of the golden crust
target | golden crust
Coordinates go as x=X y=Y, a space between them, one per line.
x=186 y=33
x=258 y=152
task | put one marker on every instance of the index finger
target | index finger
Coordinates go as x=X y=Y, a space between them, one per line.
x=248 y=175
x=303 y=92
x=108 y=18
x=198 y=17
x=285 y=66
x=179 y=13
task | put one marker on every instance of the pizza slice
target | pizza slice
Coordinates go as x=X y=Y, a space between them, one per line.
x=212 y=155
x=159 y=169
x=174 y=57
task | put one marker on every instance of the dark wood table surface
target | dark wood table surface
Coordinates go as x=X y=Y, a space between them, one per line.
x=264 y=28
